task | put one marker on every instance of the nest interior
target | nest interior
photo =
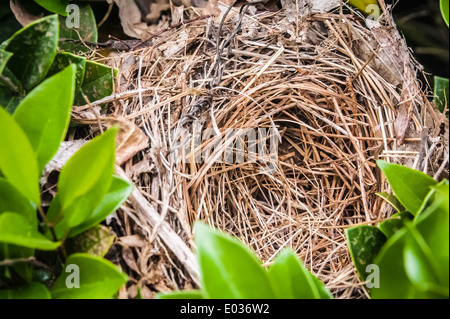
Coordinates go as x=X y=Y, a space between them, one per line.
x=333 y=93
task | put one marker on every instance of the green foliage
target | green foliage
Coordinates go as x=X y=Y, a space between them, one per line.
x=229 y=270
x=63 y=60
x=98 y=83
x=441 y=93
x=414 y=260
x=291 y=280
x=87 y=31
x=16 y=229
x=31 y=66
x=364 y=243
x=363 y=5
x=95 y=241
x=445 y=10
x=4 y=57
x=118 y=192
x=47 y=131
x=410 y=186
x=31 y=131
x=28 y=291
x=83 y=182
x=30 y=56
x=18 y=161
x=55 y=6
x=441 y=85
x=99 y=279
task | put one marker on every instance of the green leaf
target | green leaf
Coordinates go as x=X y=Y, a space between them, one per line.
x=99 y=279
x=96 y=242
x=63 y=60
x=24 y=270
x=11 y=91
x=229 y=269
x=394 y=283
x=86 y=178
x=29 y=291
x=4 y=58
x=44 y=114
x=441 y=92
x=433 y=225
x=420 y=265
x=192 y=294
x=363 y=5
x=117 y=194
x=16 y=230
x=17 y=159
x=11 y=200
x=55 y=6
x=291 y=280
x=410 y=186
x=392 y=199
x=395 y=223
x=364 y=243
x=34 y=49
x=87 y=30
x=97 y=84
x=395 y=274
x=445 y=10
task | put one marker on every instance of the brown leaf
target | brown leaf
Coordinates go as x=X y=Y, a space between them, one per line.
x=19 y=8
x=132 y=241
x=130 y=140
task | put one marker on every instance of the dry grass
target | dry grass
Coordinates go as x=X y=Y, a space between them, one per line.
x=331 y=89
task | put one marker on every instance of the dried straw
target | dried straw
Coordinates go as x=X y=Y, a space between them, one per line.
x=330 y=88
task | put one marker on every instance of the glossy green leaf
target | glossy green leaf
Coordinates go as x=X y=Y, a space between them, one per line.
x=18 y=161
x=420 y=265
x=99 y=279
x=11 y=91
x=4 y=58
x=364 y=244
x=229 y=269
x=55 y=6
x=410 y=186
x=97 y=84
x=445 y=10
x=44 y=114
x=291 y=280
x=395 y=223
x=441 y=92
x=433 y=225
x=86 y=30
x=394 y=283
x=192 y=294
x=34 y=49
x=15 y=229
x=392 y=199
x=117 y=194
x=395 y=274
x=11 y=200
x=63 y=60
x=96 y=241
x=29 y=291
x=86 y=178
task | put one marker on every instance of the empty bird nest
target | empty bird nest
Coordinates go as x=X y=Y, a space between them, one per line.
x=305 y=104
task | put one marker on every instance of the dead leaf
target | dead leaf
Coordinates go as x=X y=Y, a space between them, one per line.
x=131 y=19
x=132 y=241
x=19 y=8
x=130 y=140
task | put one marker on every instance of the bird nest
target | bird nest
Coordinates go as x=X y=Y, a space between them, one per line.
x=266 y=125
